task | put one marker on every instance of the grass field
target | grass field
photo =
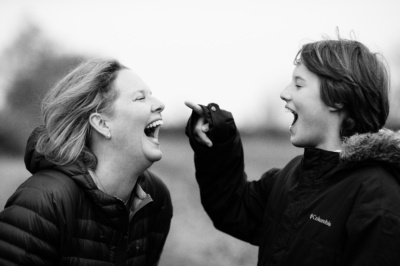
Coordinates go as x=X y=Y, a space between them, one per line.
x=192 y=241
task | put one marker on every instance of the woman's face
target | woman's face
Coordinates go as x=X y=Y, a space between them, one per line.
x=315 y=124
x=136 y=119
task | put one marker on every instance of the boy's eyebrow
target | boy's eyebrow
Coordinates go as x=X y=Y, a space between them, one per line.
x=299 y=78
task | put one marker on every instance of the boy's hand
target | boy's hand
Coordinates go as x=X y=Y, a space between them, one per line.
x=201 y=127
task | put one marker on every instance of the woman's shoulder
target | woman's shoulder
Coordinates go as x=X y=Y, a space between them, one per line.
x=50 y=180
x=46 y=186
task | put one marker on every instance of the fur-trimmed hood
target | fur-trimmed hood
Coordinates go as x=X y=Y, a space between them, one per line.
x=383 y=146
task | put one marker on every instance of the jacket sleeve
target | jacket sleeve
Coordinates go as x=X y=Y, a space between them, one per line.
x=235 y=205
x=31 y=225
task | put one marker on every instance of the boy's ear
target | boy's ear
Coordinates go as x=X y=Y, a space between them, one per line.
x=99 y=125
x=338 y=107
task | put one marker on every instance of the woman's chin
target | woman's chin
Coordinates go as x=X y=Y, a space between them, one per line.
x=153 y=156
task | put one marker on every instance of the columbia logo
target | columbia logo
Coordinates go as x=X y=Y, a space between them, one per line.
x=318 y=219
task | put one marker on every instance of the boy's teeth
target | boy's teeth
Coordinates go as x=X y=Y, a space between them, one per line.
x=290 y=111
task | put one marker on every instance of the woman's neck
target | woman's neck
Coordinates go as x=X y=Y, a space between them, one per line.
x=116 y=172
x=115 y=179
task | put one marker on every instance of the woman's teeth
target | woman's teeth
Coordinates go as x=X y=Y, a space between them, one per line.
x=152 y=127
x=155 y=124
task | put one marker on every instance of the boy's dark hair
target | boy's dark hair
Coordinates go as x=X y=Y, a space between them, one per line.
x=353 y=79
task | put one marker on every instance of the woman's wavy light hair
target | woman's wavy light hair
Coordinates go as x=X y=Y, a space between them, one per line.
x=353 y=77
x=67 y=106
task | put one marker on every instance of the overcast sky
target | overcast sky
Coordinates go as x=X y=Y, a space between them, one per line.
x=236 y=53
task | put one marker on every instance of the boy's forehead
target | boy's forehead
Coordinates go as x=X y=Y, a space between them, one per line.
x=299 y=71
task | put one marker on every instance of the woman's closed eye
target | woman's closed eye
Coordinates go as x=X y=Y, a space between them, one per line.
x=140 y=97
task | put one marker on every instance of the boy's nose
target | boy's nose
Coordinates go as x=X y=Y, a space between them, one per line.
x=285 y=95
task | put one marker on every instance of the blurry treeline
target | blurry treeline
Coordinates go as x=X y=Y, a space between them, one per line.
x=33 y=64
x=29 y=67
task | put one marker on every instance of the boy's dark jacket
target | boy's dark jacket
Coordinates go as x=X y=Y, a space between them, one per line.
x=322 y=208
x=60 y=217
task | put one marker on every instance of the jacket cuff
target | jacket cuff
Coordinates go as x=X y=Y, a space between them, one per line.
x=222 y=128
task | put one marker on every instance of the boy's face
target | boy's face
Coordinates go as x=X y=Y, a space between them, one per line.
x=315 y=124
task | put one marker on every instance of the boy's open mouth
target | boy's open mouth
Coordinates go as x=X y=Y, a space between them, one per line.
x=296 y=116
x=153 y=128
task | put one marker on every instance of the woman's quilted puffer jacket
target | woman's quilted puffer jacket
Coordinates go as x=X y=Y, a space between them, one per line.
x=58 y=216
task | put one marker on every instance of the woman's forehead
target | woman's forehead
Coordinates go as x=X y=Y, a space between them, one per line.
x=129 y=81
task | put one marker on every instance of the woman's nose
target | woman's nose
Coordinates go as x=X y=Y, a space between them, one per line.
x=158 y=106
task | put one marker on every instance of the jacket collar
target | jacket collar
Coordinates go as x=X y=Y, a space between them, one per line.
x=382 y=146
x=314 y=157
x=78 y=171
x=316 y=163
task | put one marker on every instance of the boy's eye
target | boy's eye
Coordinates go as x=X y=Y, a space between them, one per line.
x=298 y=85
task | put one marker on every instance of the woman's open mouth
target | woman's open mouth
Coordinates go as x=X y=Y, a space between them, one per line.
x=152 y=129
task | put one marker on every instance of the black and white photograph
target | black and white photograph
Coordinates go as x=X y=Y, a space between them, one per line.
x=199 y=132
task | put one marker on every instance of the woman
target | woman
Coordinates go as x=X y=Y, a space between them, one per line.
x=91 y=199
x=338 y=203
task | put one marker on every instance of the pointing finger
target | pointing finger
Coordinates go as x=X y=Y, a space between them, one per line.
x=195 y=107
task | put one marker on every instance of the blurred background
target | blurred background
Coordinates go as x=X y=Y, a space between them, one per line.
x=237 y=53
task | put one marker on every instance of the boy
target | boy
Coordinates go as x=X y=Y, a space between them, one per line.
x=338 y=203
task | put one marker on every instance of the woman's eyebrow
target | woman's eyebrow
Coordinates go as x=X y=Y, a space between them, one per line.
x=143 y=91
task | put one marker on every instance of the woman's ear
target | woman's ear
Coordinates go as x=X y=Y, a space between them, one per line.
x=99 y=125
